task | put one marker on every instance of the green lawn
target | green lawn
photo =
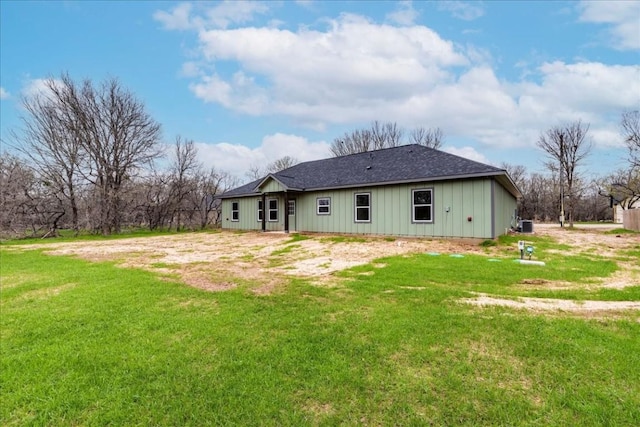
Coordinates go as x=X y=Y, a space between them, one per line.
x=94 y=344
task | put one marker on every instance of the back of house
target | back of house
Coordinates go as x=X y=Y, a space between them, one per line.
x=410 y=190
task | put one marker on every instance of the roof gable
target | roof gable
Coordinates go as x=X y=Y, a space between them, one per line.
x=271 y=184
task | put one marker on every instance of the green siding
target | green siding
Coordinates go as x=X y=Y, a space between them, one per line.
x=505 y=207
x=391 y=210
x=249 y=214
x=271 y=186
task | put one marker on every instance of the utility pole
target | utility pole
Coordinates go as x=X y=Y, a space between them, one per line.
x=561 y=180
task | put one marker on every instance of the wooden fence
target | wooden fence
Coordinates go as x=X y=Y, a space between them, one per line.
x=631 y=219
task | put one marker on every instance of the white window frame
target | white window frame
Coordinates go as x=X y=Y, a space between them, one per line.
x=235 y=213
x=291 y=207
x=356 y=207
x=272 y=210
x=260 y=210
x=327 y=206
x=421 y=205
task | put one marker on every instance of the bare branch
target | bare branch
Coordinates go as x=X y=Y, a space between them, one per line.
x=566 y=147
x=432 y=138
x=630 y=125
x=282 y=164
x=385 y=135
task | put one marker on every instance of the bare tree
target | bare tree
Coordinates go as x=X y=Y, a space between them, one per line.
x=155 y=199
x=631 y=131
x=281 y=164
x=15 y=179
x=539 y=196
x=518 y=173
x=592 y=206
x=383 y=135
x=27 y=202
x=202 y=198
x=47 y=138
x=257 y=172
x=432 y=137
x=185 y=167
x=254 y=172
x=566 y=147
x=118 y=137
x=102 y=135
x=357 y=141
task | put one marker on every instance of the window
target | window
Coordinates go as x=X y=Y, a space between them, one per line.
x=273 y=210
x=422 y=205
x=363 y=207
x=291 y=210
x=323 y=205
x=260 y=210
x=235 y=211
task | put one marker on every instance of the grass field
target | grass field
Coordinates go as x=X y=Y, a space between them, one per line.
x=387 y=343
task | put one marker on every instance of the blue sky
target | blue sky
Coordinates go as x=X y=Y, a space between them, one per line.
x=251 y=82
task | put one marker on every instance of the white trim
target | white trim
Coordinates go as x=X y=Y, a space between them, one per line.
x=259 y=210
x=414 y=206
x=328 y=206
x=236 y=211
x=356 y=207
x=269 y=210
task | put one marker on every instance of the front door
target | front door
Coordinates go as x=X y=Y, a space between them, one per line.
x=291 y=211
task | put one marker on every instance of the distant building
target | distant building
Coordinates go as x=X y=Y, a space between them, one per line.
x=620 y=207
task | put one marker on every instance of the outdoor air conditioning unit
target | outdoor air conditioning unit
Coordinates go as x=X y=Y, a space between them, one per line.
x=526 y=226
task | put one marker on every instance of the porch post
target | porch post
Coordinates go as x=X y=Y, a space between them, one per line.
x=264 y=212
x=286 y=212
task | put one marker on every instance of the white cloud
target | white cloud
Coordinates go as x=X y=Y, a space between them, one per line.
x=178 y=19
x=607 y=136
x=37 y=87
x=234 y=12
x=356 y=71
x=223 y=15
x=237 y=159
x=588 y=87
x=213 y=89
x=404 y=15
x=4 y=94
x=622 y=16
x=191 y=69
x=467 y=11
x=467 y=152
x=355 y=66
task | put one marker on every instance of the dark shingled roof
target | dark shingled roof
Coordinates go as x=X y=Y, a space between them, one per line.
x=406 y=163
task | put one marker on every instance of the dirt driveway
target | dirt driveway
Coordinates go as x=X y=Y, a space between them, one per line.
x=223 y=260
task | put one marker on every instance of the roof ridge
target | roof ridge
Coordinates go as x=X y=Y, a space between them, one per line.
x=359 y=154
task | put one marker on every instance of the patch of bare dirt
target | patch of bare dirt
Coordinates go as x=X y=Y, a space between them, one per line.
x=583 y=239
x=594 y=240
x=263 y=261
x=587 y=308
x=553 y=304
x=226 y=260
x=588 y=238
